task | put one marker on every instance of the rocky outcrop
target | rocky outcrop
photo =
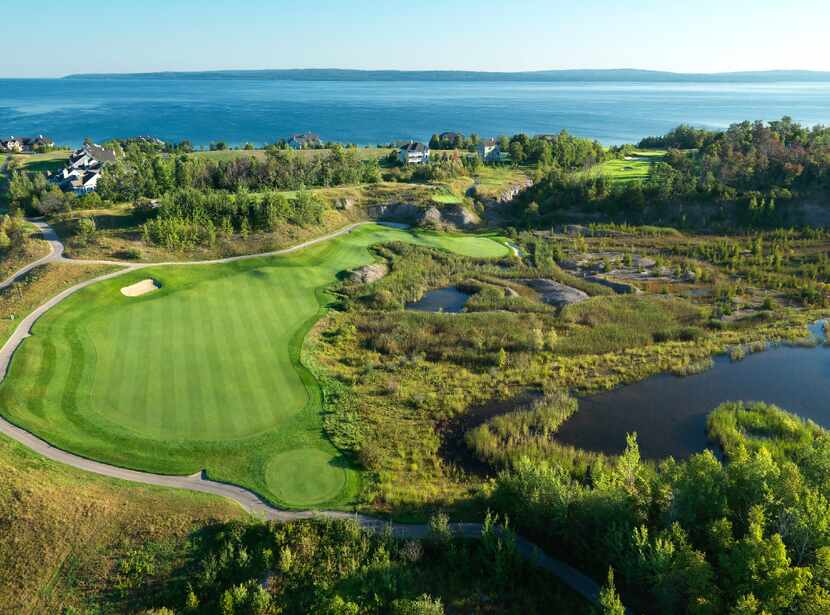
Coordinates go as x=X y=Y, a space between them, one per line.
x=452 y=215
x=621 y=288
x=344 y=204
x=556 y=293
x=369 y=273
x=513 y=191
x=643 y=262
x=398 y=212
x=431 y=217
x=459 y=216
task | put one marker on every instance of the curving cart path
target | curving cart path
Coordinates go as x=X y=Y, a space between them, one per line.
x=571 y=577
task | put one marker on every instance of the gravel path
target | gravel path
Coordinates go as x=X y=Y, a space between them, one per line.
x=55 y=252
x=571 y=577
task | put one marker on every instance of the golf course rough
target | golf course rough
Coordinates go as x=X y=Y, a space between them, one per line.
x=203 y=372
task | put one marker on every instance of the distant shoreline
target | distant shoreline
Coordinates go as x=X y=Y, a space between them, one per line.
x=612 y=75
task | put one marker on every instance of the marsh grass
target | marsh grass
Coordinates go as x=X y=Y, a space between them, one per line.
x=530 y=433
x=621 y=322
x=740 y=426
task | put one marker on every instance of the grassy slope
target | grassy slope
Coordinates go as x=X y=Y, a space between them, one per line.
x=40 y=163
x=63 y=529
x=201 y=374
x=32 y=250
x=74 y=542
x=37 y=286
x=490 y=181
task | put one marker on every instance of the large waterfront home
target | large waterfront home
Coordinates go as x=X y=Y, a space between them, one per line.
x=19 y=145
x=84 y=169
x=414 y=153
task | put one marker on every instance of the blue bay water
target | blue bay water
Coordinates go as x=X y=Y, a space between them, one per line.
x=262 y=111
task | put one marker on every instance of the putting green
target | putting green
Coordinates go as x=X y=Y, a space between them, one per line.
x=305 y=476
x=202 y=373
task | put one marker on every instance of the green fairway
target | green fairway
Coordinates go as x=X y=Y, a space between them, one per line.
x=636 y=168
x=204 y=372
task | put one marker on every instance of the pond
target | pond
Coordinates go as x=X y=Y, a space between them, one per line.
x=448 y=299
x=669 y=412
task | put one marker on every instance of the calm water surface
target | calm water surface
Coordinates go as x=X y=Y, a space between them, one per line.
x=448 y=299
x=262 y=111
x=669 y=412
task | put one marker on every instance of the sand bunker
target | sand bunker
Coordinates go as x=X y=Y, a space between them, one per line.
x=140 y=288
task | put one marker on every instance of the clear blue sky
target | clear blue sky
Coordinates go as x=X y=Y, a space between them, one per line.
x=54 y=37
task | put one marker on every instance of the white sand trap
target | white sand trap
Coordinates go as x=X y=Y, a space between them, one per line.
x=140 y=288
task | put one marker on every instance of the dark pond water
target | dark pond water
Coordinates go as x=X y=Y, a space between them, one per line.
x=448 y=299
x=669 y=412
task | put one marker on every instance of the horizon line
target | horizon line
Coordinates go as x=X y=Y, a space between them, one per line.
x=443 y=71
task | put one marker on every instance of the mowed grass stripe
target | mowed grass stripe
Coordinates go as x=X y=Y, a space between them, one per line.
x=214 y=347
x=133 y=397
x=261 y=357
x=245 y=413
x=44 y=356
x=263 y=350
x=202 y=374
x=191 y=387
x=114 y=369
x=271 y=321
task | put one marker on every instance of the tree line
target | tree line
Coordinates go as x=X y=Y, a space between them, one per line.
x=755 y=165
x=141 y=174
x=561 y=150
x=187 y=217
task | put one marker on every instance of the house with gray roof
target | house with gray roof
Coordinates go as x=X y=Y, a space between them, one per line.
x=414 y=153
x=489 y=150
x=84 y=169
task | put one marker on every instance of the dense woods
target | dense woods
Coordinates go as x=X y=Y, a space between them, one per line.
x=562 y=150
x=188 y=217
x=336 y=568
x=744 y=535
x=138 y=174
x=755 y=167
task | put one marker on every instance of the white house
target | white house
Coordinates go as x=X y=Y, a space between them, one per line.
x=86 y=182
x=414 y=153
x=489 y=150
x=84 y=170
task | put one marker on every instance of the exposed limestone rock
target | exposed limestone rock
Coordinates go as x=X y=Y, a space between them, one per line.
x=398 y=212
x=556 y=293
x=451 y=215
x=643 y=262
x=620 y=288
x=459 y=216
x=513 y=191
x=369 y=273
x=431 y=217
